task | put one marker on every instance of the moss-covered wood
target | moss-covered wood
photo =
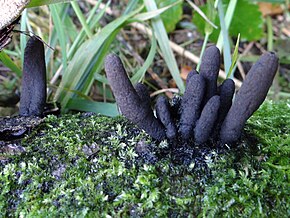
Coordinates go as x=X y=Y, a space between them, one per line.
x=88 y=166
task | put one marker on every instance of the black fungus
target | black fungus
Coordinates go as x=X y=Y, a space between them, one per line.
x=163 y=114
x=191 y=105
x=130 y=103
x=209 y=70
x=226 y=93
x=204 y=113
x=190 y=74
x=250 y=96
x=205 y=124
x=33 y=92
x=143 y=93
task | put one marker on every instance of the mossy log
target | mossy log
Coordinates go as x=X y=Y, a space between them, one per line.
x=92 y=166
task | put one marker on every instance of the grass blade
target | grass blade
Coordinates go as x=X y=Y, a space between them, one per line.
x=197 y=9
x=6 y=60
x=108 y=109
x=234 y=59
x=151 y=14
x=88 y=60
x=141 y=72
x=60 y=33
x=82 y=19
x=163 y=41
x=224 y=31
x=228 y=19
x=23 y=37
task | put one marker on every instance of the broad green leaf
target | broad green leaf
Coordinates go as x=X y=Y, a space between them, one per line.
x=247 y=20
x=171 y=16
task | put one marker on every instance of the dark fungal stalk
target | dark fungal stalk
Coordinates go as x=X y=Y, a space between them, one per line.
x=205 y=124
x=131 y=103
x=250 y=96
x=164 y=115
x=226 y=93
x=33 y=92
x=209 y=70
x=205 y=113
x=191 y=105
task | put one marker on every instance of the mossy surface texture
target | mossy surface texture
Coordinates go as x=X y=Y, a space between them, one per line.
x=94 y=166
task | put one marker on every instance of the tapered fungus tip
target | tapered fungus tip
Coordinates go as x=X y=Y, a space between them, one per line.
x=250 y=96
x=210 y=61
x=209 y=70
x=33 y=92
x=112 y=61
x=133 y=104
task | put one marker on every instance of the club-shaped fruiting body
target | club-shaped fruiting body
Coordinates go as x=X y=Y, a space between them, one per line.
x=33 y=92
x=133 y=105
x=205 y=111
x=250 y=96
x=165 y=116
x=226 y=93
x=191 y=105
x=209 y=70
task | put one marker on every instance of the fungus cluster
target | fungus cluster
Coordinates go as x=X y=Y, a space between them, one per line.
x=205 y=111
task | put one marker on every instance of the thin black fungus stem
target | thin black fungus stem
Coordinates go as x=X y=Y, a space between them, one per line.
x=163 y=113
x=130 y=103
x=250 y=96
x=209 y=69
x=205 y=123
x=143 y=93
x=190 y=105
x=33 y=92
x=226 y=93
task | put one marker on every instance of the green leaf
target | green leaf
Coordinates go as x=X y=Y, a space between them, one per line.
x=60 y=32
x=172 y=16
x=247 y=20
x=6 y=60
x=234 y=58
x=36 y=3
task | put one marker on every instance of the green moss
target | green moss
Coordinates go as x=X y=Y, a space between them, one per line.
x=88 y=166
